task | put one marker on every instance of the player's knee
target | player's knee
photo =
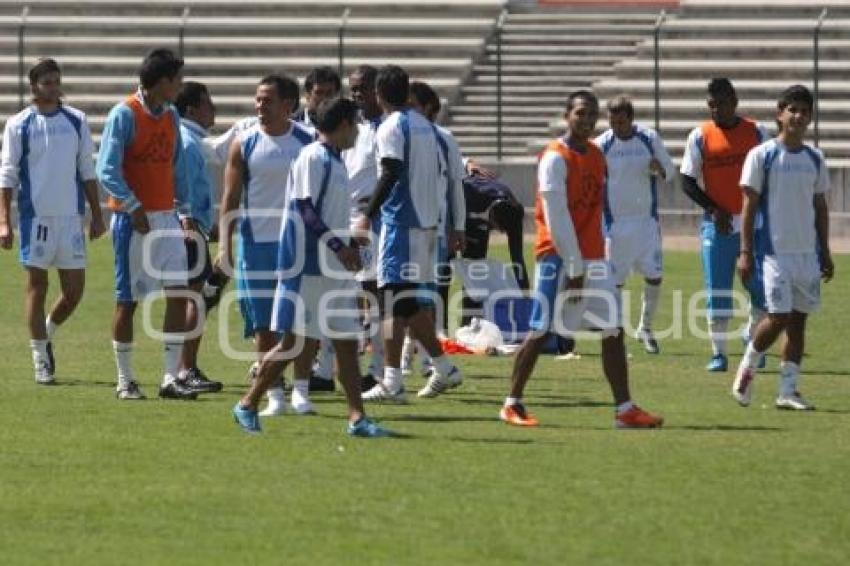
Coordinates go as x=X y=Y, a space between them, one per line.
x=73 y=295
x=779 y=320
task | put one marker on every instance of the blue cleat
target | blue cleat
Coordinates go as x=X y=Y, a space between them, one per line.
x=248 y=419
x=366 y=428
x=718 y=363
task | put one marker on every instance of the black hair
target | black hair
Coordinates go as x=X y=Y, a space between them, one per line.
x=42 y=68
x=286 y=88
x=393 y=85
x=425 y=95
x=721 y=88
x=190 y=95
x=323 y=74
x=582 y=94
x=332 y=112
x=159 y=64
x=366 y=72
x=795 y=94
x=621 y=104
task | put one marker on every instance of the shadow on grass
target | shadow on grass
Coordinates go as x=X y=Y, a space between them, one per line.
x=556 y=403
x=508 y=441
x=438 y=419
x=724 y=428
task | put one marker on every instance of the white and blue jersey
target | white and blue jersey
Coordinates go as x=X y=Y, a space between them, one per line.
x=362 y=169
x=631 y=190
x=47 y=157
x=197 y=175
x=267 y=160
x=409 y=137
x=786 y=182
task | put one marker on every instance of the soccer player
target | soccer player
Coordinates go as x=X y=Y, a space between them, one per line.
x=635 y=158
x=255 y=177
x=412 y=165
x=715 y=153
x=316 y=295
x=197 y=116
x=47 y=157
x=573 y=281
x=320 y=84
x=141 y=165
x=785 y=182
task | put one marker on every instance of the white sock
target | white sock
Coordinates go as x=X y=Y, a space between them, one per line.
x=51 y=328
x=39 y=352
x=123 y=353
x=302 y=387
x=408 y=349
x=651 y=293
x=623 y=407
x=751 y=356
x=442 y=365
x=509 y=401
x=392 y=379
x=717 y=328
x=756 y=316
x=276 y=395
x=173 y=352
x=789 y=373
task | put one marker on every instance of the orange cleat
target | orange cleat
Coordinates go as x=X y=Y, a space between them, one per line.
x=517 y=415
x=638 y=418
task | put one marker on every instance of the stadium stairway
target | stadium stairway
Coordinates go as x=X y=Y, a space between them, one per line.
x=228 y=45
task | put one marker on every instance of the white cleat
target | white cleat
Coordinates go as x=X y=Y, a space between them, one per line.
x=301 y=404
x=793 y=402
x=43 y=376
x=437 y=384
x=129 y=392
x=742 y=387
x=380 y=394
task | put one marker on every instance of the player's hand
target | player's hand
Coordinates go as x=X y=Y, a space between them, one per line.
x=745 y=266
x=656 y=168
x=574 y=287
x=722 y=221
x=140 y=221
x=457 y=241
x=472 y=168
x=97 y=227
x=189 y=228
x=827 y=268
x=7 y=235
x=350 y=258
x=361 y=230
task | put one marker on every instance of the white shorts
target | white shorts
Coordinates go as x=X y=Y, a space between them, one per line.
x=145 y=263
x=634 y=244
x=316 y=306
x=598 y=308
x=791 y=282
x=53 y=241
x=406 y=255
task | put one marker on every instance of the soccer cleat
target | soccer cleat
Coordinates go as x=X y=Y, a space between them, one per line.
x=636 y=417
x=742 y=387
x=51 y=361
x=517 y=415
x=793 y=402
x=301 y=404
x=43 y=375
x=275 y=408
x=319 y=384
x=197 y=381
x=718 y=363
x=427 y=367
x=129 y=392
x=436 y=385
x=650 y=344
x=247 y=418
x=368 y=381
x=367 y=428
x=177 y=389
x=381 y=394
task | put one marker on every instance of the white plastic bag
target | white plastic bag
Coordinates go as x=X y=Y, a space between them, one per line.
x=479 y=335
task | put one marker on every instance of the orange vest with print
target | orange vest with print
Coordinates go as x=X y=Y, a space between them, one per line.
x=585 y=196
x=723 y=155
x=148 y=166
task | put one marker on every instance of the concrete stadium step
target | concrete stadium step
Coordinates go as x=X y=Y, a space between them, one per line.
x=718 y=28
x=509 y=129
x=575 y=16
x=557 y=81
x=544 y=60
x=792 y=71
x=773 y=9
x=601 y=28
x=558 y=50
x=747 y=48
x=678 y=88
x=564 y=71
x=531 y=112
x=562 y=38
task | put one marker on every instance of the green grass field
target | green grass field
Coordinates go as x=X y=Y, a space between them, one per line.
x=85 y=479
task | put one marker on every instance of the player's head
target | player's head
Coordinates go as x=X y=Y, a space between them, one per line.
x=581 y=113
x=424 y=100
x=722 y=101
x=320 y=84
x=162 y=73
x=621 y=115
x=361 y=83
x=46 y=81
x=794 y=110
x=194 y=102
x=336 y=120
x=276 y=98
x=393 y=87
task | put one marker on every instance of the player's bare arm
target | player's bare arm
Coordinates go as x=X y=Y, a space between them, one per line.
x=748 y=215
x=97 y=226
x=234 y=171
x=827 y=268
x=7 y=236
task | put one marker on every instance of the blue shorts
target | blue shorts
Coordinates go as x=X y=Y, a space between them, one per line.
x=719 y=259
x=256 y=264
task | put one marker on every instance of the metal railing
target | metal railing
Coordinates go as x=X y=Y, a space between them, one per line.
x=500 y=24
x=816 y=73
x=657 y=67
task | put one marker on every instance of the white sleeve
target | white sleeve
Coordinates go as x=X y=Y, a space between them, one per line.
x=85 y=153
x=11 y=156
x=752 y=173
x=220 y=145
x=458 y=172
x=692 y=160
x=663 y=157
x=822 y=185
x=307 y=173
x=390 y=142
x=551 y=180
